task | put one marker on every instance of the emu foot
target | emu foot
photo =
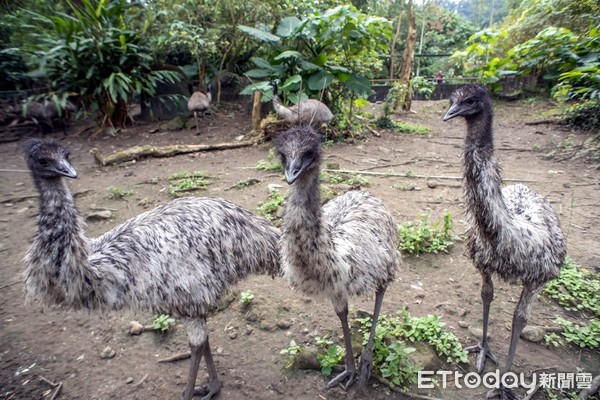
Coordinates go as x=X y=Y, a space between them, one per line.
x=346 y=375
x=502 y=393
x=208 y=391
x=484 y=352
x=366 y=367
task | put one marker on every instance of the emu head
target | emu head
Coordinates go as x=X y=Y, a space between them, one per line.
x=48 y=159
x=468 y=101
x=300 y=151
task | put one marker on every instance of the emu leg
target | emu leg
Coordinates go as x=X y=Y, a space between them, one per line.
x=366 y=358
x=350 y=370
x=197 y=124
x=214 y=386
x=487 y=295
x=196 y=351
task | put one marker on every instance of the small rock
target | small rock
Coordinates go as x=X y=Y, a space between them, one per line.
x=477 y=332
x=533 y=333
x=175 y=124
x=99 y=215
x=252 y=316
x=135 y=328
x=282 y=324
x=129 y=380
x=333 y=165
x=249 y=329
x=267 y=326
x=233 y=335
x=108 y=352
x=463 y=324
x=432 y=184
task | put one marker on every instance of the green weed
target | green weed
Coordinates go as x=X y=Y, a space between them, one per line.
x=331 y=358
x=246 y=297
x=116 y=193
x=427 y=236
x=292 y=352
x=269 y=207
x=336 y=178
x=163 y=322
x=271 y=164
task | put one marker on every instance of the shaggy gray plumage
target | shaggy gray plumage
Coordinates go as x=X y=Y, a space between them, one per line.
x=199 y=103
x=176 y=259
x=307 y=112
x=513 y=232
x=346 y=248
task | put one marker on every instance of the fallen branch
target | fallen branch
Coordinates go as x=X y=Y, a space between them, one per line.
x=56 y=386
x=140 y=382
x=373 y=131
x=543 y=122
x=176 y=357
x=400 y=174
x=136 y=152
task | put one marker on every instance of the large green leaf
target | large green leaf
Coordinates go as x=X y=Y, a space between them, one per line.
x=289 y=54
x=259 y=34
x=359 y=84
x=288 y=26
x=319 y=80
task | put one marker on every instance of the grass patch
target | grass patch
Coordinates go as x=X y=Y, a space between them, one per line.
x=271 y=164
x=115 y=193
x=402 y=127
x=186 y=182
x=427 y=236
x=269 y=207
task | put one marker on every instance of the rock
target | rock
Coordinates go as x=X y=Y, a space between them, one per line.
x=249 y=329
x=477 y=332
x=463 y=324
x=432 y=184
x=533 y=333
x=267 y=326
x=283 y=324
x=252 y=316
x=135 y=328
x=233 y=335
x=307 y=359
x=99 y=215
x=175 y=124
x=129 y=380
x=108 y=352
x=424 y=357
x=332 y=165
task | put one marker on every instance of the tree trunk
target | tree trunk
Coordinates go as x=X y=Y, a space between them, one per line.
x=256 y=108
x=394 y=41
x=408 y=58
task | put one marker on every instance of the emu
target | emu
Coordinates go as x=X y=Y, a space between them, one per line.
x=199 y=103
x=177 y=258
x=346 y=248
x=44 y=113
x=307 y=112
x=513 y=232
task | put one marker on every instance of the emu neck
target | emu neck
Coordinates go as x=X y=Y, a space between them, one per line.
x=483 y=182
x=282 y=110
x=58 y=259
x=304 y=231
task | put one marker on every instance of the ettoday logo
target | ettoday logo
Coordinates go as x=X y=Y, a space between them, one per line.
x=510 y=380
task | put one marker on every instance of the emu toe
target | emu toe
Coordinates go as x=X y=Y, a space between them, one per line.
x=484 y=352
x=339 y=380
x=207 y=391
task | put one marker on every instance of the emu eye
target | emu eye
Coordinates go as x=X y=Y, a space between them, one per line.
x=43 y=162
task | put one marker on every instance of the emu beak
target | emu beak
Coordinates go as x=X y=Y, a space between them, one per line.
x=292 y=171
x=65 y=168
x=453 y=111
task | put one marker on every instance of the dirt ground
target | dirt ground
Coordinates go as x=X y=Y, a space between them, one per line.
x=66 y=346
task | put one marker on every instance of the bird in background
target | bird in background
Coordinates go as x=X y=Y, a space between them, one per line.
x=306 y=112
x=176 y=259
x=200 y=103
x=513 y=232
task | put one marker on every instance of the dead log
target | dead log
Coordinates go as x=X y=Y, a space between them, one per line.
x=136 y=152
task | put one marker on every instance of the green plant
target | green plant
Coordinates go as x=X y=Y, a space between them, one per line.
x=576 y=289
x=269 y=207
x=422 y=86
x=343 y=178
x=116 y=193
x=187 y=182
x=331 y=358
x=95 y=51
x=391 y=355
x=324 y=341
x=246 y=297
x=581 y=335
x=245 y=183
x=584 y=116
x=427 y=236
x=292 y=352
x=271 y=164
x=552 y=339
x=163 y=322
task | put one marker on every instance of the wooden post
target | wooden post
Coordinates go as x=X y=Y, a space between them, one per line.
x=256 y=110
